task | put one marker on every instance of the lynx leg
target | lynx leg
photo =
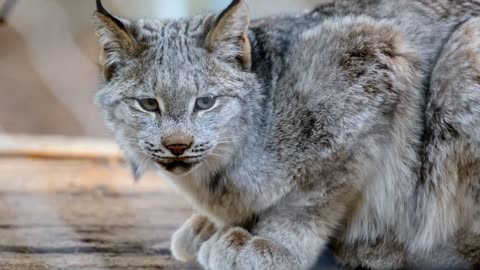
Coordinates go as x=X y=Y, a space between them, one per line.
x=278 y=241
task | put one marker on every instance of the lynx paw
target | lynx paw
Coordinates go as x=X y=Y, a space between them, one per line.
x=187 y=240
x=237 y=249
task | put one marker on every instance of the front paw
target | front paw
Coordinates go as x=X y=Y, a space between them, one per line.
x=187 y=240
x=237 y=249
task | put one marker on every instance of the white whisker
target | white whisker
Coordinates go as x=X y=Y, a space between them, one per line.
x=207 y=164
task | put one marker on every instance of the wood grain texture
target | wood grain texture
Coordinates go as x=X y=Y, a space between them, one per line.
x=77 y=208
x=88 y=230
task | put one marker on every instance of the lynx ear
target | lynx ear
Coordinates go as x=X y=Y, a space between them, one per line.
x=228 y=38
x=114 y=38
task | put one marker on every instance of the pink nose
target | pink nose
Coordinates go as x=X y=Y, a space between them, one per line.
x=177 y=149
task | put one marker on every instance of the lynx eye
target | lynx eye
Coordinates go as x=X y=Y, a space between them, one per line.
x=205 y=103
x=149 y=104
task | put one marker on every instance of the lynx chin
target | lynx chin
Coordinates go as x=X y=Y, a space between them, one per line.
x=354 y=126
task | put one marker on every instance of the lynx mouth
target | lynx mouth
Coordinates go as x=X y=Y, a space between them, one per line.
x=178 y=166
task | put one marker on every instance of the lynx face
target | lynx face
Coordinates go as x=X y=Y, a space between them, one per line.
x=175 y=90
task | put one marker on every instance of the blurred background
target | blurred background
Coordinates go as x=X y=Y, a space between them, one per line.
x=48 y=58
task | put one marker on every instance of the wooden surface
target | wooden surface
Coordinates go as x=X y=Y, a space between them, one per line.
x=81 y=211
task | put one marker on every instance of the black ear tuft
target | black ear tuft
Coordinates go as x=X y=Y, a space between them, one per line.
x=225 y=11
x=101 y=9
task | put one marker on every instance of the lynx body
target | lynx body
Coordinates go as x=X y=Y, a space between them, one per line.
x=354 y=125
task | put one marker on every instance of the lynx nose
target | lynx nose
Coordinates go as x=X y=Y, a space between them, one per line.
x=177 y=149
x=178 y=143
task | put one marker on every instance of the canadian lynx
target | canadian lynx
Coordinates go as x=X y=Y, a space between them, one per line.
x=354 y=126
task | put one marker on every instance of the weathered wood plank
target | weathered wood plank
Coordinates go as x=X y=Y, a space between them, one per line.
x=88 y=231
x=90 y=262
x=75 y=206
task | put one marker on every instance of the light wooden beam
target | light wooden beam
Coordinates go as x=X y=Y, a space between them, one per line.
x=56 y=147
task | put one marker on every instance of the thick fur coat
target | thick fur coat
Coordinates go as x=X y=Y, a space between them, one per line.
x=355 y=125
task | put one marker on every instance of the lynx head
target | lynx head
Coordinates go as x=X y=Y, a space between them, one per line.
x=177 y=92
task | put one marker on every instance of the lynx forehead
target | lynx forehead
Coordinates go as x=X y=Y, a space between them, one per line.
x=354 y=125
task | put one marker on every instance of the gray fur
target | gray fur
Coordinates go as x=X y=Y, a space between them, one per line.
x=355 y=124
